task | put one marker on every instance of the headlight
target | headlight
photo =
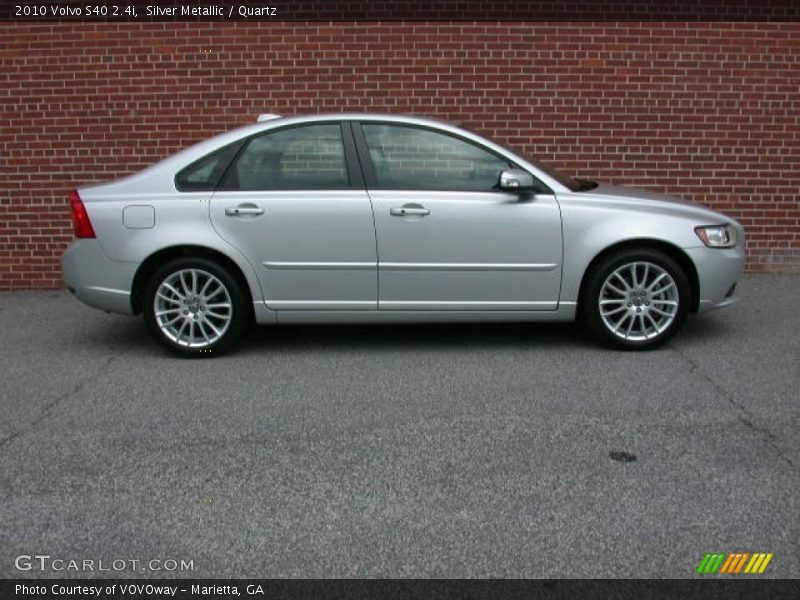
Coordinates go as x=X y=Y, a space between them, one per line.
x=717 y=236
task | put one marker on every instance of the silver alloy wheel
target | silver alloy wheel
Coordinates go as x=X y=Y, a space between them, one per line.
x=193 y=308
x=638 y=301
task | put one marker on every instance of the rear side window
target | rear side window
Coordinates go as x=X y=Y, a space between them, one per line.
x=205 y=174
x=297 y=158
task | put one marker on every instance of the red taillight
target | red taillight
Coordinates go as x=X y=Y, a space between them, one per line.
x=80 y=218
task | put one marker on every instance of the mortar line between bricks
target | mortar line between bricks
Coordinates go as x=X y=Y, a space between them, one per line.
x=50 y=406
x=746 y=417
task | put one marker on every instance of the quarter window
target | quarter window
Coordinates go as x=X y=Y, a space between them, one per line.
x=296 y=158
x=204 y=174
x=413 y=158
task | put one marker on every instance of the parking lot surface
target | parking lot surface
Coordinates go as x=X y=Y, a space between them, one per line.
x=402 y=451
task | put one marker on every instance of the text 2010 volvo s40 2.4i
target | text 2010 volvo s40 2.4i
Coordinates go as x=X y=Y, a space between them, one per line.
x=364 y=218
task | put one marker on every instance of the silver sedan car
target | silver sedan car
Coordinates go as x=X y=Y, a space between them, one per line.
x=365 y=218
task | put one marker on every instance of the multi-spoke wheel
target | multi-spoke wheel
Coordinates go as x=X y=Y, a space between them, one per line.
x=636 y=298
x=195 y=307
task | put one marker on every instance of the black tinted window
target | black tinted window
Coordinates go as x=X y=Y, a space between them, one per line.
x=204 y=174
x=297 y=158
x=413 y=158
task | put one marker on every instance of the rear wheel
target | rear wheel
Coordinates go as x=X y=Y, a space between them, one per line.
x=195 y=307
x=636 y=298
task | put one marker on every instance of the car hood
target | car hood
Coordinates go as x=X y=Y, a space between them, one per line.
x=624 y=191
x=647 y=201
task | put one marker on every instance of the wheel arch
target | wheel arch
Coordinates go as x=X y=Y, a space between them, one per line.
x=670 y=250
x=149 y=266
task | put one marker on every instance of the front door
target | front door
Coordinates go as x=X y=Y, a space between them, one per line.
x=447 y=238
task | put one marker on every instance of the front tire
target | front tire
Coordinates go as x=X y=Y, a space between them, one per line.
x=195 y=307
x=636 y=299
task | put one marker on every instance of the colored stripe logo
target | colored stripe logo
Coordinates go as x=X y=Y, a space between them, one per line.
x=735 y=563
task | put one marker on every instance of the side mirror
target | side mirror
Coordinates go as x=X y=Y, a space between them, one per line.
x=517 y=181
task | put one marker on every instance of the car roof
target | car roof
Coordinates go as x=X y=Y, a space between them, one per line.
x=272 y=119
x=352 y=116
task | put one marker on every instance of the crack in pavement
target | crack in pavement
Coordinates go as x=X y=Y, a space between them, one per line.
x=50 y=406
x=746 y=416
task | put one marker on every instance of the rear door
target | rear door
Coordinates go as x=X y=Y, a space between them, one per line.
x=448 y=239
x=294 y=203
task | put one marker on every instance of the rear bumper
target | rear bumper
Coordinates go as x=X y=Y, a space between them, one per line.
x=718 y=272
x=97 y=280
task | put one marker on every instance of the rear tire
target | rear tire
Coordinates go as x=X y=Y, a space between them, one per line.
x=636 y=299
x=195 y=307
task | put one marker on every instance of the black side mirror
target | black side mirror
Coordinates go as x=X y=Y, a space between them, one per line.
x=517 y=181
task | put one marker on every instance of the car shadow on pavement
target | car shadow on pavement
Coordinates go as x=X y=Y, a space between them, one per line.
x=709 y=326
x=409 y=336
x=131 y=336
x=126 y=333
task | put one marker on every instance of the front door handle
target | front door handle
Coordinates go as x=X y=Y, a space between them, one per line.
x=244 y=209
x=409 y=209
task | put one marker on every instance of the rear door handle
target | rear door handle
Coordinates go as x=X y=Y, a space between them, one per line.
x=402 y=211
x=235 y=211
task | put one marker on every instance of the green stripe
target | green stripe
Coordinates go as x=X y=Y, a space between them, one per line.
x=711 y=562
x=703 y=563
x=718 y=564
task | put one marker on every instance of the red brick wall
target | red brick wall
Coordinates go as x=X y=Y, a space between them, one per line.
x=709 y=111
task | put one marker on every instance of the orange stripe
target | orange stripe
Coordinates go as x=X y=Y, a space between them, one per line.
x=727 y=563
x=741 y=562
x=734 y=562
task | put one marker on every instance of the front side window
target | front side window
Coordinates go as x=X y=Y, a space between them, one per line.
x=297 y=158
x=412 y=158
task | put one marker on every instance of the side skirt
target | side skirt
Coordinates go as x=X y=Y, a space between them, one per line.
x=565 y=312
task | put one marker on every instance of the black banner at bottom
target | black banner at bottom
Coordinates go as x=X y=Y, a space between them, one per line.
x=391 y=589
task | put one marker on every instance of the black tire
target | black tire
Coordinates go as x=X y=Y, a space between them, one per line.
x=211 y=344
x=593 y=288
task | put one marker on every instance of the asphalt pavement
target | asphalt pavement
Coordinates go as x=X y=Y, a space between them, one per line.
x=400 y=451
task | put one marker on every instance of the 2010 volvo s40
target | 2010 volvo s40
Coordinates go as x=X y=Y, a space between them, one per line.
x=363 y=218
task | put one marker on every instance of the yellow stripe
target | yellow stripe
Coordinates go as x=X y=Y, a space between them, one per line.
x=741 y=561
x=753 y=564
x=765 y=563
x=727 y=563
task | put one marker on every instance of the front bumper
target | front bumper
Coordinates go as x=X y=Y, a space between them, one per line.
x=97 y=280
x=718 y=272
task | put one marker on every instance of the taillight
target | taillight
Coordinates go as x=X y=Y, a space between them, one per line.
x=80 y=218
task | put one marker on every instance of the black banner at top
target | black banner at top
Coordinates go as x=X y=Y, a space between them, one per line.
x=400 y=10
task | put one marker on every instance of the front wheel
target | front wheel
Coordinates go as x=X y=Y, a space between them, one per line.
x=636 y=299
x=195 y=307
